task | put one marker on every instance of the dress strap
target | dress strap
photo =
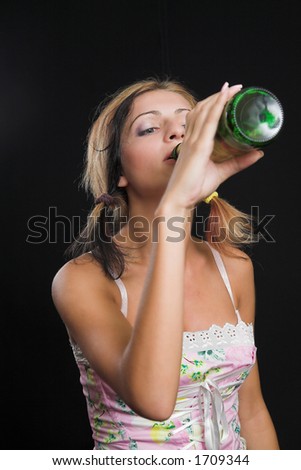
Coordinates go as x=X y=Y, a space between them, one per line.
x=124 y=296
x=221 y=267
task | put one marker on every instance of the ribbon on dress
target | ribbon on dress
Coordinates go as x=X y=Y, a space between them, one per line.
x=216 y=429
x=216 y=426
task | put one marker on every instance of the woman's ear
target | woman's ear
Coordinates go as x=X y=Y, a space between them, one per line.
x=123 y=182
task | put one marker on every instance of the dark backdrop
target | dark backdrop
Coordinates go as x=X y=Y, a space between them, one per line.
x=58 y=60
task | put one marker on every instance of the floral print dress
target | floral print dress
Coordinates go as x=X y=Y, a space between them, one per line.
x=214 y=365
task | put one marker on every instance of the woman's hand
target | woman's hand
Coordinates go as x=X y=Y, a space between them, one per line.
x=195 y=175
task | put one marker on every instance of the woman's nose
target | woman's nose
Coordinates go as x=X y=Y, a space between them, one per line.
x=176 y=132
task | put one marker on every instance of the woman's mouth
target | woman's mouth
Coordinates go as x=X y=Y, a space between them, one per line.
x=169 y=158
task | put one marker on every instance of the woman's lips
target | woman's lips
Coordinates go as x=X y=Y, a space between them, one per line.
x=169 y=158
x=170 y=161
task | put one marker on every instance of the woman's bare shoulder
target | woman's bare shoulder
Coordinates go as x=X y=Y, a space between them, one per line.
x=79 y=269
x=238 y=262
x=81 y=280
x=82 y=266
x=240 y=270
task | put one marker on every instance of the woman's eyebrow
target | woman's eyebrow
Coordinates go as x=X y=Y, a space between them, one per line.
x=158 y=113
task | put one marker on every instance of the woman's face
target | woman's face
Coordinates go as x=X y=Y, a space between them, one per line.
x=155 y=125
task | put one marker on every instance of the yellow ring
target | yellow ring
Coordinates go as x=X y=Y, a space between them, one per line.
x=210 y=197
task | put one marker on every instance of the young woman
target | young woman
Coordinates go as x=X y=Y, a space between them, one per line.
x=161 y=322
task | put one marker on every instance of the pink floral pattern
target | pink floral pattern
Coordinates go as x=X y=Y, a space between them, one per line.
x=206 y=410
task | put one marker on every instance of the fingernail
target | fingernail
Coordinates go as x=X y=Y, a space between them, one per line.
x=225 y=86
x=260 y=153
x=237 y=86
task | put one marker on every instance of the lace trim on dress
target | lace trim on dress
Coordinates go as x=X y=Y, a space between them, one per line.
x=217 y=336
x=78 y=354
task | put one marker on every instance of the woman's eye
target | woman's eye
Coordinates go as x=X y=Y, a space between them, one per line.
x=149 y=130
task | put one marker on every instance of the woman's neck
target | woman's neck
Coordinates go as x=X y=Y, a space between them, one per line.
x=141 y=230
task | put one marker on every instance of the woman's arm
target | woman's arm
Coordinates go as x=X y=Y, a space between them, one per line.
x=256 y=423
x=140 y=363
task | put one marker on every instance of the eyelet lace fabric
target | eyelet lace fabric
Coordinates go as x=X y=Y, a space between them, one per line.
x=216 y=336
x=78 y=354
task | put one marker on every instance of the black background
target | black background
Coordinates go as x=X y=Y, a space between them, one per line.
x=59 y=59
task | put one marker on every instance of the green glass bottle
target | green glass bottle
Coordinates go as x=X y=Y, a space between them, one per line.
x=251 y=119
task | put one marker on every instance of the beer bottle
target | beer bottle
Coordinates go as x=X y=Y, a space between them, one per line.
x=251 y=119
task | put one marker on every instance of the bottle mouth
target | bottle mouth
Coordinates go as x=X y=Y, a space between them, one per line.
x=257 y=115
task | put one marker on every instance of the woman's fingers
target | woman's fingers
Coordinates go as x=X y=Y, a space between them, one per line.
x=203 y=119
x=237 y=164
x=210 y=125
